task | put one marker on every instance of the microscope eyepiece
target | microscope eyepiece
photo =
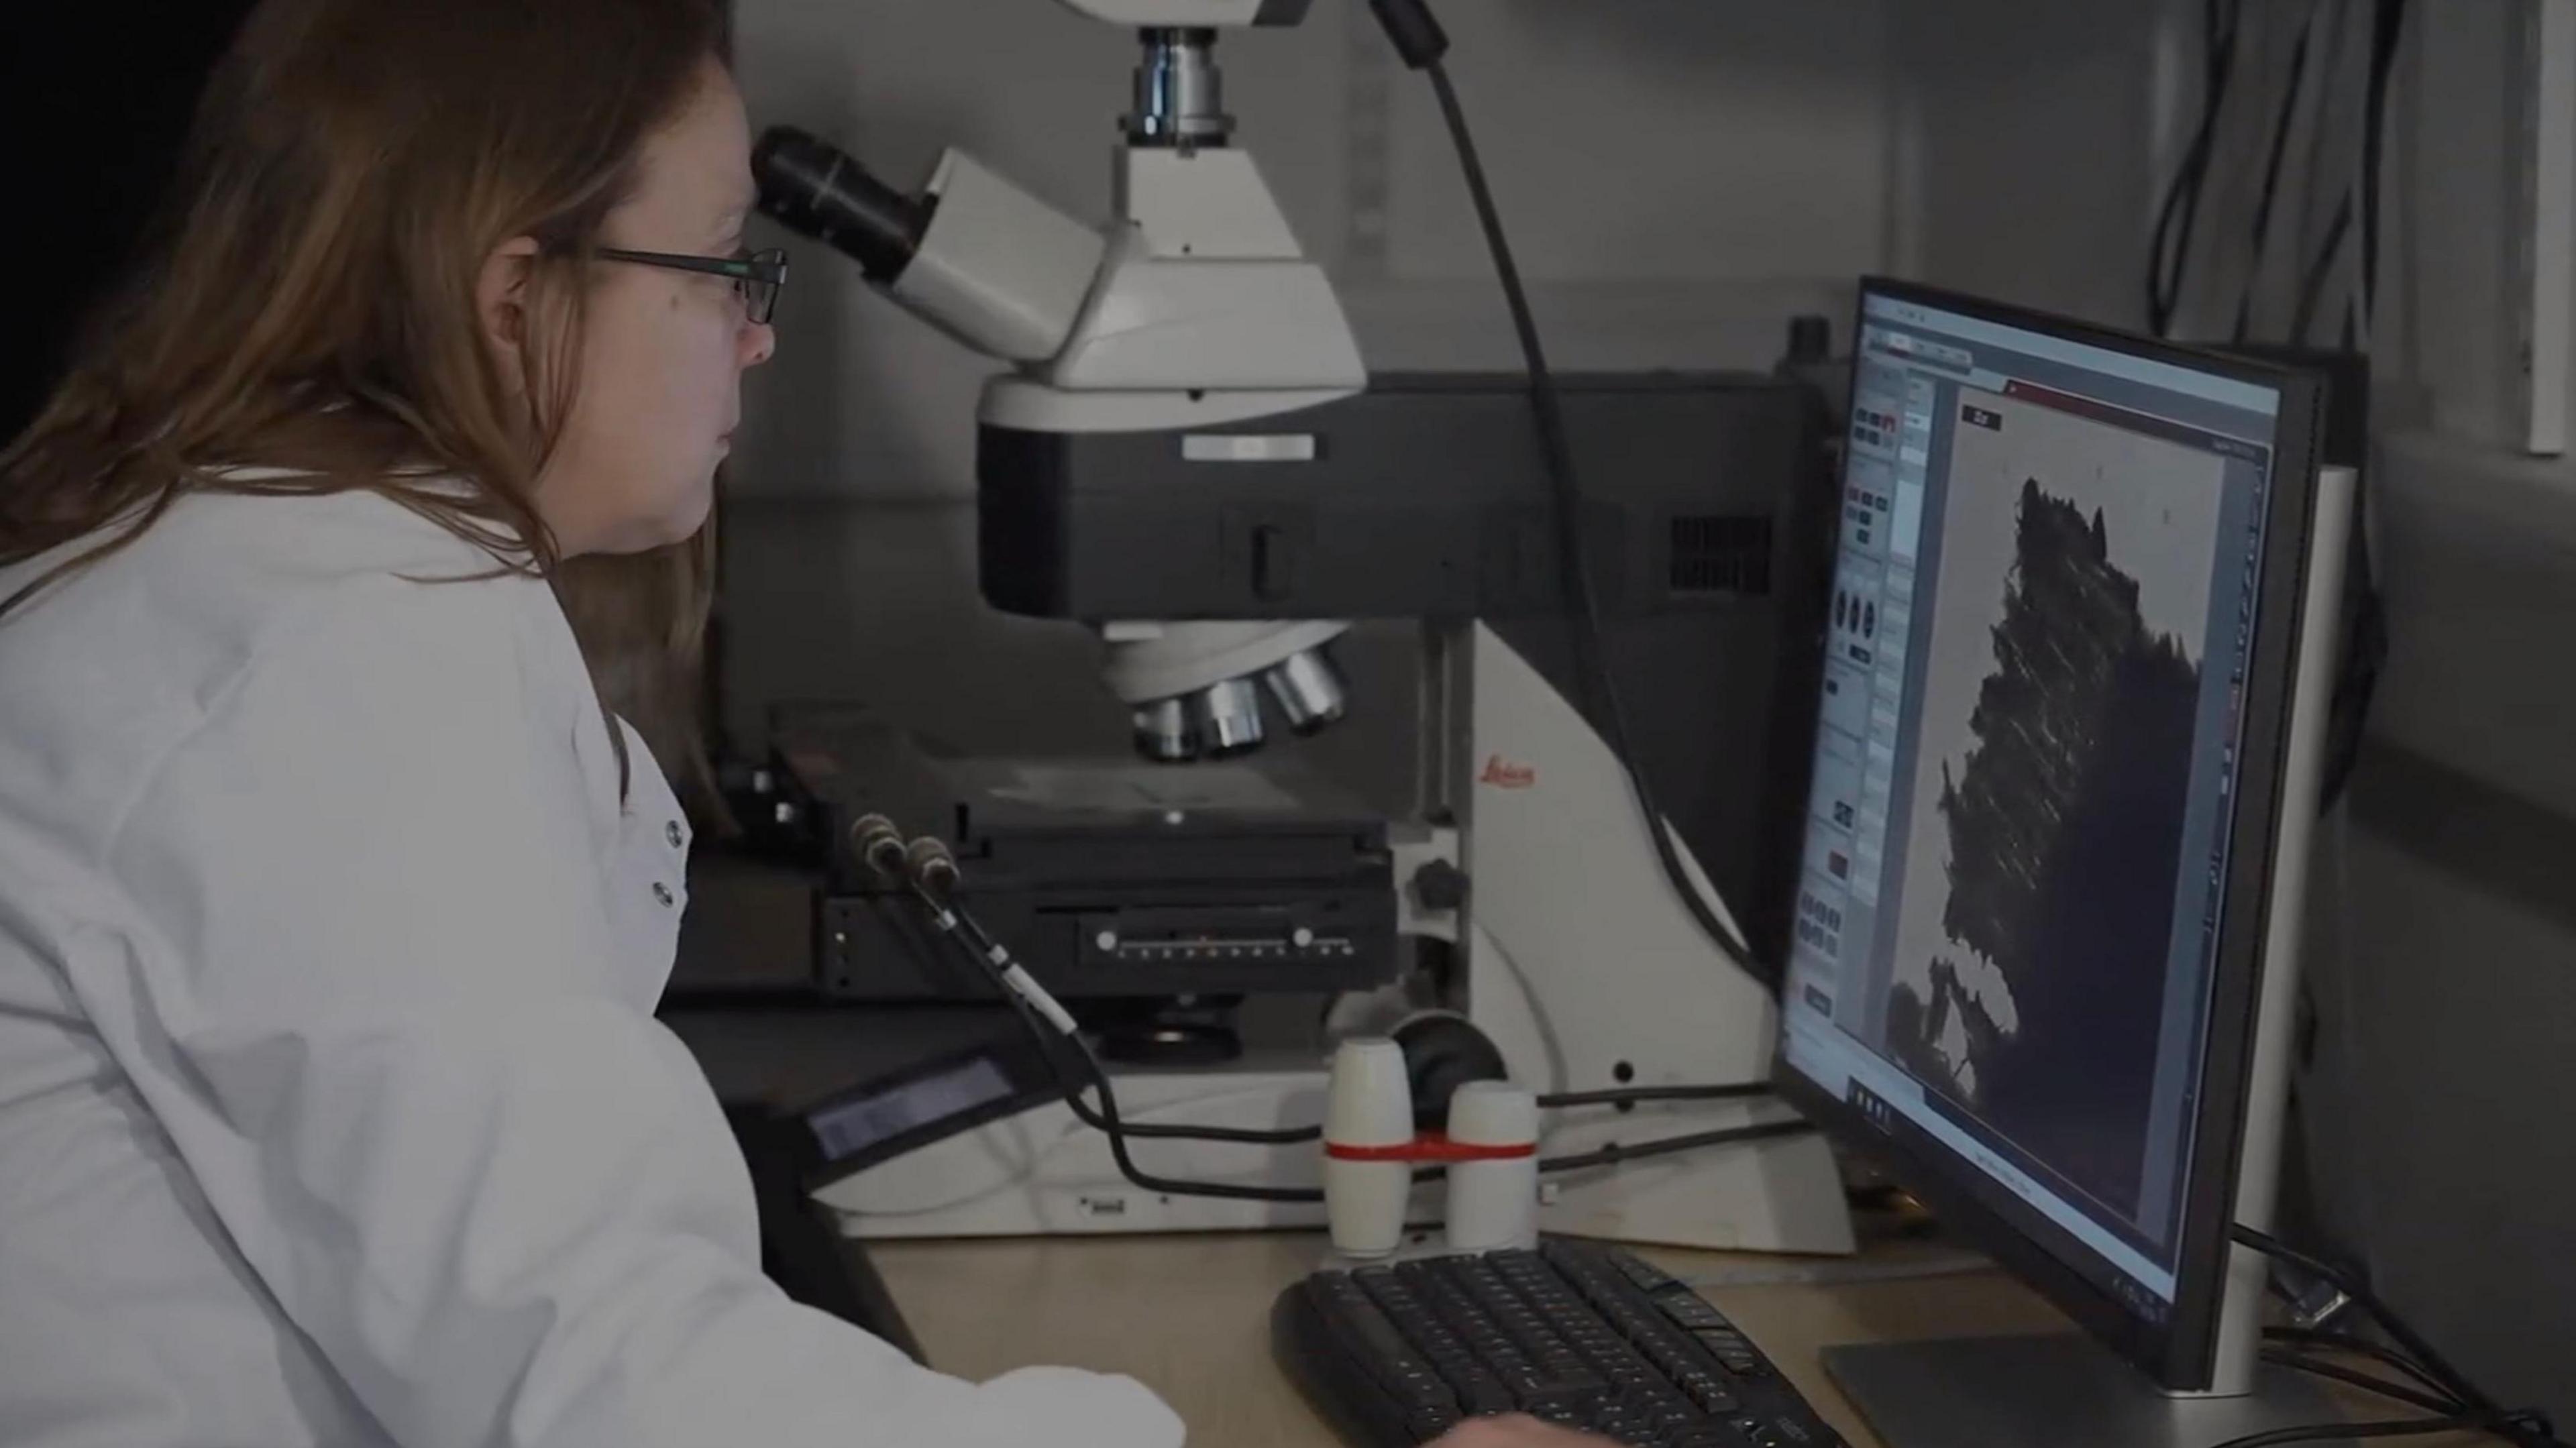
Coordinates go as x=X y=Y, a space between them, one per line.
x=811 y=187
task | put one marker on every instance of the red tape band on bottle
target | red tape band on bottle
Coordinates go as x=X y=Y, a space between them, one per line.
x=1431 y=1146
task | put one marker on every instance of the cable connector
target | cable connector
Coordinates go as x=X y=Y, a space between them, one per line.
x=875 y=840
x=1417 y=36
x=931 y=867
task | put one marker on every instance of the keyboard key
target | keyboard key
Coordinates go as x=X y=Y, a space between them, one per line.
x=1429 y=1423
x=1615 y=1353
x=1690 y=1311
x=1665 y=1413
x=1675 y=1418
x=1387 y=1352
x=1423 y=1388
x=1712 y=1397
x=1485 y=1394
x=1643 y=1273
x=1672 y=1357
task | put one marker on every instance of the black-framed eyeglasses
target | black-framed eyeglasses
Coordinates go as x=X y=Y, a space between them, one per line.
x=757 y=275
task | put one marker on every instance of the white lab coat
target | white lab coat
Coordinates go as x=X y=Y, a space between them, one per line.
x=332 y=1107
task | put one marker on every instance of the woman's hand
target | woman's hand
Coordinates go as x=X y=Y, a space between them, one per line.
x=1515 y=1431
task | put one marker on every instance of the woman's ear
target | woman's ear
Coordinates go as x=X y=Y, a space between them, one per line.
x=501 y=305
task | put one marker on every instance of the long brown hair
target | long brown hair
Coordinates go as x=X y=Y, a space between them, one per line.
x=306 y=299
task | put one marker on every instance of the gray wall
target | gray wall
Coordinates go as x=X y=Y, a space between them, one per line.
x=2441 y=1104
x=2441 y=1107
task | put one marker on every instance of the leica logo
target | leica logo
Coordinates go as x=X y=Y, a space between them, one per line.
x=1503 y=775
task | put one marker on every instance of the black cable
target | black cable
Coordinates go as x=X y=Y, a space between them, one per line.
x=1665 y=1146
x=2169 y=251
x=1247 y=1135
x=2525 y=1427
x=2399 y=1392
x=2165 y=241
x=2312 y=286
x=1583 y=603
x=2388 y=26
x=1103 y=1121
x=2361 y=1347
x=1617 y=1095
x=2270 y=193
x=2424 y=1352
x=1556 y=1101
x=1146 y=1130
x=955 y=922
x=1118 y=1132
x=2386 y=1428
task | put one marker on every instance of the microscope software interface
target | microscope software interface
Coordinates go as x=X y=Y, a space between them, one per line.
x=2040 y=622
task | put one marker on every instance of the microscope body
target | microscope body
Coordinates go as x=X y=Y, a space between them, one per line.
x=1187 y=454
x=1193 y=307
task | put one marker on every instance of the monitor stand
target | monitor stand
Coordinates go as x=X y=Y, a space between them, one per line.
x=2049 y=1390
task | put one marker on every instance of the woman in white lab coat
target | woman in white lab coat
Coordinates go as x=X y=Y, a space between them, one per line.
x=333 y=904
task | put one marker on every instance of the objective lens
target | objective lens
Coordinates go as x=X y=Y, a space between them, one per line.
x=1228 y=716
x=1308 y=690
x=1164 y=732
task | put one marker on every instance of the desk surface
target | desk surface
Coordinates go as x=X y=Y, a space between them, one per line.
x=1190 y=1317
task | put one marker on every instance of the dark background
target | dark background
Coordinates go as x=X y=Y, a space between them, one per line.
x=94 y=105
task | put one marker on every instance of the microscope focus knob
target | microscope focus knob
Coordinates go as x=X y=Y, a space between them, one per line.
x=1439 y=885
x=1443 y=1051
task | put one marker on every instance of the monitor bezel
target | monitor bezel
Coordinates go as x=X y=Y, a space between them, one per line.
x=2180 y=1352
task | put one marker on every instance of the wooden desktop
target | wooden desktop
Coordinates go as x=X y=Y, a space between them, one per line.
x=1190 y=1317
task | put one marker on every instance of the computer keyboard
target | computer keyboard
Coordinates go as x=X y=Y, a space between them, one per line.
x=1577 y=1334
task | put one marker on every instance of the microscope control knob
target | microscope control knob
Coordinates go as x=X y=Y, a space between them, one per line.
x=1440 y=885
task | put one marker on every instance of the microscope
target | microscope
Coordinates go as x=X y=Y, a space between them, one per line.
x=1185 y=453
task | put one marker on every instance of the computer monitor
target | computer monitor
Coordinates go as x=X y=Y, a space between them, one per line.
x=2054 y=805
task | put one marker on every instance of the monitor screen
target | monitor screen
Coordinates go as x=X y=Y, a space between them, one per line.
x=2033 y=735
